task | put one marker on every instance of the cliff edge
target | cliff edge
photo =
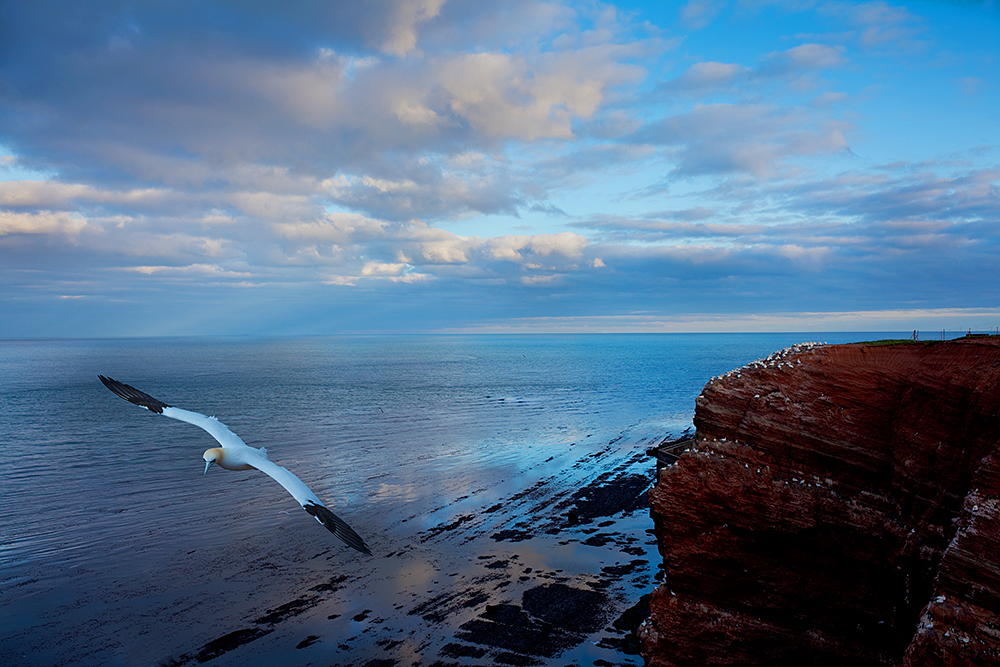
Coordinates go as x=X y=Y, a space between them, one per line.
x=839 y=506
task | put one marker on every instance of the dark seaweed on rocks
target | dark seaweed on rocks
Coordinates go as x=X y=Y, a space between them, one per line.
x=573 y=609
x=453 y=650
x=511 y=535
x=624 y=494
x=308 y=641
x=226 y=643
x=289 y=609
x=439 y=607
x=551 y=618
x=628 y=625
x=334 y=584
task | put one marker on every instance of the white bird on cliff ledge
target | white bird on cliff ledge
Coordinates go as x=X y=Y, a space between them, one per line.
x=236 y=455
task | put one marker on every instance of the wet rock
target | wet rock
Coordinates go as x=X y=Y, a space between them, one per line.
x=439 y=607
x=516 y=659
x=628 y=626
x=626 y=493
x=228 y=642
x=511 y=535
x=599 y=540
x=550 y=619
x=287 y=610
x=308 y=641
x=572 y=609
x=380 y=662
x=620 y=570
x=453 y=650
x=331 y=586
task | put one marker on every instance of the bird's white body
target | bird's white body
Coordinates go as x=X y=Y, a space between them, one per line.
x=234 y=454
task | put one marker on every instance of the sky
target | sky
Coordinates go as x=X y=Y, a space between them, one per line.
x=230 y=167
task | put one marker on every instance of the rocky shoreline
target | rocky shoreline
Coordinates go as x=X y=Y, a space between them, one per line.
x=505 y=609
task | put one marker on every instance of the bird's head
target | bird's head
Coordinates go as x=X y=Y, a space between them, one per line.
x=211 y=456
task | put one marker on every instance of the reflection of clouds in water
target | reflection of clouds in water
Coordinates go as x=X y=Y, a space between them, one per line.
x=405 y=576
x=405 y=492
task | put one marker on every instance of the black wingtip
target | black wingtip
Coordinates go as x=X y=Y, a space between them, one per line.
x=133 y=395
x=338 y=527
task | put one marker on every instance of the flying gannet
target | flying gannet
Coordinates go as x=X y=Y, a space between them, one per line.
x=236 y=455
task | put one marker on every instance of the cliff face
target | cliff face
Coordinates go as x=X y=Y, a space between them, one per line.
x=839 y=506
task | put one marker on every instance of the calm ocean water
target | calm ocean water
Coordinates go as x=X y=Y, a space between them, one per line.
x=115 y=549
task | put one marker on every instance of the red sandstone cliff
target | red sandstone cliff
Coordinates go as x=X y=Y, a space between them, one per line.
x=839 y=507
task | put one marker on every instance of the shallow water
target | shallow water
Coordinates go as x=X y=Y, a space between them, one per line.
x=115 y=549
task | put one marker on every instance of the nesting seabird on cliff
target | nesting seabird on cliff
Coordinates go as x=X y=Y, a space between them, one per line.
x=236 y=455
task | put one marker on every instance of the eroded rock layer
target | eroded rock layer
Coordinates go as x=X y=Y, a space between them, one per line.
x=838 y=507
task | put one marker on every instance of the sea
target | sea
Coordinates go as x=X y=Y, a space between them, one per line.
x=463 y=461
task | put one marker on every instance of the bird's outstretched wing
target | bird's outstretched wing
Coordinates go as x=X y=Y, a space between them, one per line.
x=310 y=503
x=215 y=428
x=133 y=395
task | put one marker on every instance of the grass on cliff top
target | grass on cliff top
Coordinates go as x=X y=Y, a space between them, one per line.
x=896 y=341
x=910 y=341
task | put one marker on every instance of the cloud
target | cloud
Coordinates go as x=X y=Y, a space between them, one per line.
x=705 y=77
x=696 y=213
x=401 y=33
x=904 y=191
x=697 y=14
x=196 y=271
x=338 y=228
x=928 y=320
x=499 y=97
x=193 y=102
x=805 y=57
x=519 y=247
x=271 y=206
x=794 y=66
x=348 y=249
x=375 y=274
x=430 y=191
x=68 y=196
x=538 y=280
x=910 y=221
x=655 y=228
x=828 y=99
x=43 y=222
x=971 y=85
x=748 y=139
x=879 y=24
x=578 y=165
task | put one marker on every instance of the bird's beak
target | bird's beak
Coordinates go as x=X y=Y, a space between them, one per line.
x=208 y=464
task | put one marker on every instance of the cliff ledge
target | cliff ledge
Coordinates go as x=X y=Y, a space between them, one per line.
x=838 y=506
